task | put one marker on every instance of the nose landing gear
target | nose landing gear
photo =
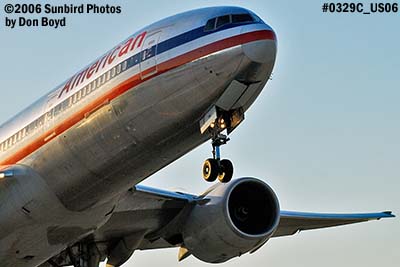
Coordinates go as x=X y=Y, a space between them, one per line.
x=214 y=167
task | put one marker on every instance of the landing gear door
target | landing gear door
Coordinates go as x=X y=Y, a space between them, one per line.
x=148 y=55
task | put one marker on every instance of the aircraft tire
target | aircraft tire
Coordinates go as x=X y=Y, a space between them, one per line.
x=226 y=174
x=210 y=170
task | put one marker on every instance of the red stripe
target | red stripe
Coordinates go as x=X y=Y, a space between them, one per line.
x=132 y=82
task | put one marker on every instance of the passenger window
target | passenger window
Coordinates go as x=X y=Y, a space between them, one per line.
x=210 y=25
x=40 y=121
x=49 y=116
x=78 y=95
x=73 y=98
x=65 y=104
x=57 y=110
x=83 y=92
x=241 y=18
x=26 y=131
x=223 y=20
x=31 y=127
x=93 y=85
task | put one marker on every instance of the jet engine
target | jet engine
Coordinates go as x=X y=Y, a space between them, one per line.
x=230 y=220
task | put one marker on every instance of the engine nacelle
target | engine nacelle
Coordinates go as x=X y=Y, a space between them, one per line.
x=231 y=220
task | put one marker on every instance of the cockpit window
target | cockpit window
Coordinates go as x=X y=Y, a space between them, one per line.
x=257 y=18
x=240 y=18
x=210 y=25
x=223 y=20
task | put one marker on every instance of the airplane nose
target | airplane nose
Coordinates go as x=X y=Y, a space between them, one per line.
x=262 y=51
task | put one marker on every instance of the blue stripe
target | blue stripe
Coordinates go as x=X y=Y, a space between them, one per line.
x=178 y=41
x=193 y=35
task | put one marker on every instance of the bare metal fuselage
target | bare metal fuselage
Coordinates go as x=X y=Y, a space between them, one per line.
x=76 y=179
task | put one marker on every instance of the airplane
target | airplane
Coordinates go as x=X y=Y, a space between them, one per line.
x=71 y=163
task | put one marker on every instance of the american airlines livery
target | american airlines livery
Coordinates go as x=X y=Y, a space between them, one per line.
x=71 y=162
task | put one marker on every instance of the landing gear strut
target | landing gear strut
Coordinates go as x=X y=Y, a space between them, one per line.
x=214 y=167
x=88 y=256
x=79 y=255
x=214 y=122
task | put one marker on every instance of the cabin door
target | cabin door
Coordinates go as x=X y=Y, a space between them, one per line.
x=148 y=55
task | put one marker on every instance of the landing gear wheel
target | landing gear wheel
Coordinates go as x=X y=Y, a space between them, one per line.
x=215 y=167
x=226 y=171
x=210 y=170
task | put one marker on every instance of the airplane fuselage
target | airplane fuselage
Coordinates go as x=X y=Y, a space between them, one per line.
x=122 y=118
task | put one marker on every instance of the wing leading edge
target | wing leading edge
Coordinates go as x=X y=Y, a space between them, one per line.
x=149 y=218
x=292 y=222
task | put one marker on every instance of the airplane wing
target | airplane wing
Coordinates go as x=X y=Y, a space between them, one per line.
x=160 y=207
x=148 y=218
x=292 y=222
x=156 y=209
